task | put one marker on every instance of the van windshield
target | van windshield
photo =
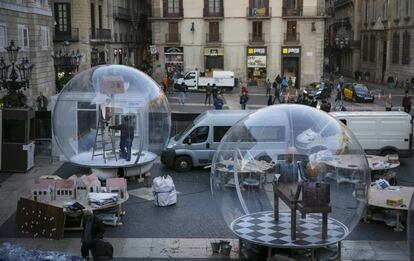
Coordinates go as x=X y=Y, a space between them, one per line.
x=181 y=133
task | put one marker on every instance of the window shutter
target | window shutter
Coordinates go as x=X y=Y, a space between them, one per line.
x=20 y=37
x=2 y=36
x=165 y=8
x=300 y=5
x=180 y=10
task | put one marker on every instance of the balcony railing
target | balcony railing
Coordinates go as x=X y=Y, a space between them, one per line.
x=176 y=13
x=256 y=38
x=292 y=11
x=173 y=38
x=72 y=36
x=263 y=12
x=213 y=38
x=291 y=38
x=101 y=34
x=339 y=3
x=122 y=13
x=207 y=13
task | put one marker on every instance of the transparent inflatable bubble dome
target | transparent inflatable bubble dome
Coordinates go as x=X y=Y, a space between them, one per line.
x=290 y=176
x=111 y=116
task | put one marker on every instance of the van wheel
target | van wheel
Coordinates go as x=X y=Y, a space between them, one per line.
x=182 y=164
x=388 y=152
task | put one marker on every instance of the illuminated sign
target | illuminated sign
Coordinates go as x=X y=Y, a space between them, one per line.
x=256 y=51
x=290 y=50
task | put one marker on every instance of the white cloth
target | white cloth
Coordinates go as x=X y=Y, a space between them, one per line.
x=164 y=191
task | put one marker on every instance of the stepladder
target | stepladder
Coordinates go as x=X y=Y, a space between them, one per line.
x=104 y=144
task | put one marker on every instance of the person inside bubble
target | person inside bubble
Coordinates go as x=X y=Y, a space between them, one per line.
x=288 y=168
x=127 y=136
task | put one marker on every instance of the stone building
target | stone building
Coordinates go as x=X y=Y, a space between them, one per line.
x=387 y=39
x=343 y=32
x=104 y=31
x=29 y=24
x=257 y=39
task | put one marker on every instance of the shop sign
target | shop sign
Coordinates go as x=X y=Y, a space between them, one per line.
x=256 y=61
x=290 y=50
x=256 y=51
x=153 y=49
x=213 y=51
x=174 y=50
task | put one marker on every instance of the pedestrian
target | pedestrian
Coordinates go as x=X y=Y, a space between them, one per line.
x=277 y=94
x=93 y=229
x=270 y=100
x=407 y=102
x=218 y=103
x=284 y=84
x=244 y=89
x=290 y=82
x=338 y=98
x=390 y=81
x=388 y=103
x=412 y=84
x=208 y=94
x=268 y=87
x=165 y=83
x=243 y=100
x=214 y=91
x=182 y=94
x=341 y=81
x=278 y=79
x=407 y=85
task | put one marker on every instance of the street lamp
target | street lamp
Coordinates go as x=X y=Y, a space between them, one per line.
x=11 y=82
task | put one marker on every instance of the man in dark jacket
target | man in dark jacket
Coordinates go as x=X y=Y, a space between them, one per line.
x=406 y=102
x=127 y=136
x=93 y=229
x=208 y=94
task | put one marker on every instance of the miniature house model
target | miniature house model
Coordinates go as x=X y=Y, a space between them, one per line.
x=65 y=189
x=86 y=184
x=117 y=185
x=43 y=190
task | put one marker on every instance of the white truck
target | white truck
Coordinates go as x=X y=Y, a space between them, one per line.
x=224 y=80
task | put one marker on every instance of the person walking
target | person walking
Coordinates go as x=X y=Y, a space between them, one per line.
x=388 y=103
x=338 y=98
x=268 y=87
x=218 y=103
x=182 y=94
x=270 y=100
x=406 y=102
x=214 y=91
x=277 y=94
x=244 y=89
x=93 y=229
x=278 y=80
x=341 y=81
x=208 y=94
x=165 y=83
x=243 y=100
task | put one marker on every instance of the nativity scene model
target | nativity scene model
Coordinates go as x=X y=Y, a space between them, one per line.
x=111 y=117
x=274 y=194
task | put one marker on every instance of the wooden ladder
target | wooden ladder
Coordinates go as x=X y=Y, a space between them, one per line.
x=100 y=141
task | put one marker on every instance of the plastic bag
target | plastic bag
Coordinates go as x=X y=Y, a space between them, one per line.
x=164 y=191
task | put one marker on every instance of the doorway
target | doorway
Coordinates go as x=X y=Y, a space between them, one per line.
x=290 y=69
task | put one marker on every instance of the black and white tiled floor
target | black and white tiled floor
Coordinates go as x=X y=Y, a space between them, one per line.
x=260 y=228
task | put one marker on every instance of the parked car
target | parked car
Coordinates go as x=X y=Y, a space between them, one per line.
x=357 y=92
x=315 y=90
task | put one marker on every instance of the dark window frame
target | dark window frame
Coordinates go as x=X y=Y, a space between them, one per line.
x=406 y=50
x=396 y=48
x=365 y=48
x=219 y=132
x=372 y=48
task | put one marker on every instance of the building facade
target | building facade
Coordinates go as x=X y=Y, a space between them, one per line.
x=343 y=33
x=29 y=24
x=387 y=40
x=257 y=39
x=104 y=31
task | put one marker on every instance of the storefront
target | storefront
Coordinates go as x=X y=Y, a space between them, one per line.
x=214 y=59
x=256 y=65
x=291 y=64
x=174 y=61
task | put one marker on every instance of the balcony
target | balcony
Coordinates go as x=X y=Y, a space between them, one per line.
x=259 y=13
x=177 y=13
x=101 y=34
x=339 y=3
x=213 y=38
x=72 y=36
x=122 y=13
x=214 y=14
x=256 y=38
x=173 y=38
x=291 y=38
x=291 y=11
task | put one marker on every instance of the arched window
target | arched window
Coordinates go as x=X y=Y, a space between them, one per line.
x=396 y=48
x=372 y=48
x=406 y=48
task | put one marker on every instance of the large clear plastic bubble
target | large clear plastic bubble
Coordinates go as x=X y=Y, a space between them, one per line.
x=111 y=116
x=290 y=164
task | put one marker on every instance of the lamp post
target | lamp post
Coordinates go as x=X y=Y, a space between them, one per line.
x=66 y=64
x=18 y=78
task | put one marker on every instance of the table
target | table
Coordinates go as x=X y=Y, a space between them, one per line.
x=378 y=197
x=380 y=165
x=85 y=203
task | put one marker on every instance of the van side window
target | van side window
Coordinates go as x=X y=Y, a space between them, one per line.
x=343 y=121
x=219 y=132
x=199 y=135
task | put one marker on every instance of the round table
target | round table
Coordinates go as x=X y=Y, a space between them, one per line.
x=261 y=228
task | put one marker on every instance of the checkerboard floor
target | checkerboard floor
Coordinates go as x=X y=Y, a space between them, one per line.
x=260 y=228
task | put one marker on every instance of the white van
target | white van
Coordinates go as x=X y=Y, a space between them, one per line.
x=378 y=132
x=196 y=145
x=222 y=79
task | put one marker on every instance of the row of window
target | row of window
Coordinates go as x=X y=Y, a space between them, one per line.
x=369 y=48
x=400 y=6
x=64 y=192
x=23 y=37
